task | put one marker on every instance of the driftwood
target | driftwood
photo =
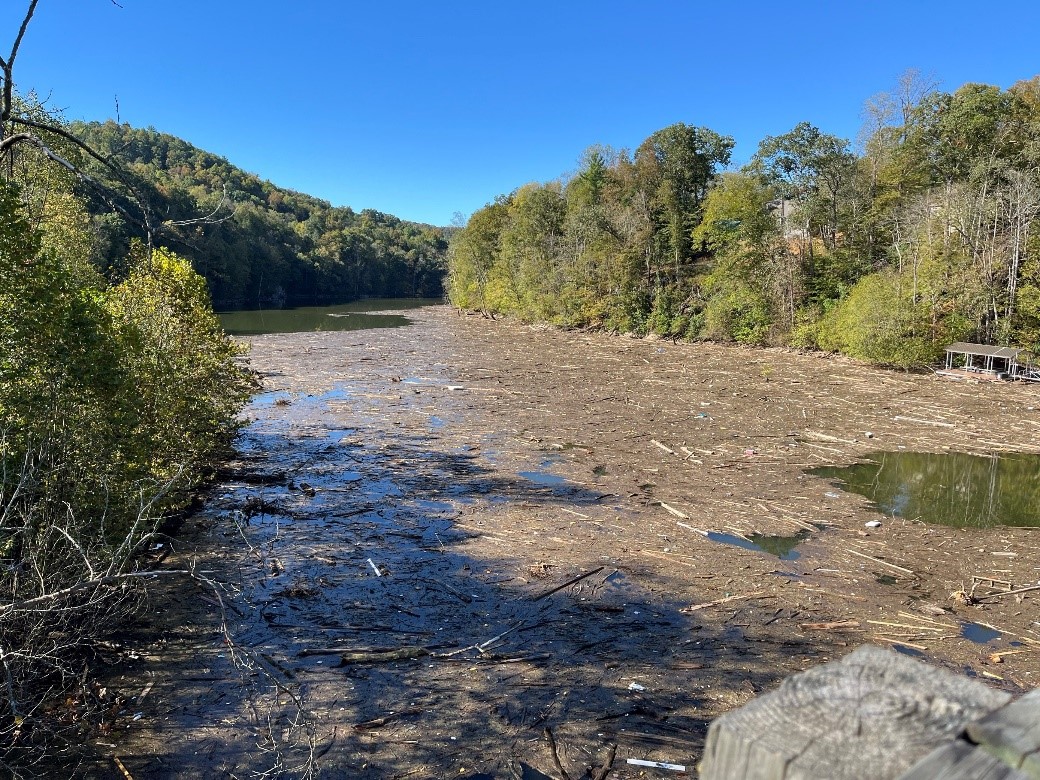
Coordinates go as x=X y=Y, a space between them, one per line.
x=568 y=583
x=555 y=754
x=381 y=657
x=695 y=607
x=376 y=723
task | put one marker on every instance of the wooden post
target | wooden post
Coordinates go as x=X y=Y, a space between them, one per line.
x=1012 y=734
x=874 y=713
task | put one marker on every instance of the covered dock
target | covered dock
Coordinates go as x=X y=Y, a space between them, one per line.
x=990 y=361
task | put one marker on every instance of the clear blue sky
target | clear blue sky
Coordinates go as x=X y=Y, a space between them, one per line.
x=422 y=109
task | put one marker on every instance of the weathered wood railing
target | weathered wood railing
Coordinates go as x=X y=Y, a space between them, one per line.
x=880 y=715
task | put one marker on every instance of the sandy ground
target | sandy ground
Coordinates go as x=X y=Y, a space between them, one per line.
x=426 y=490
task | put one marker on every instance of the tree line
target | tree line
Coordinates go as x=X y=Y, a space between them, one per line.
x=922 y=235
x=261 y=244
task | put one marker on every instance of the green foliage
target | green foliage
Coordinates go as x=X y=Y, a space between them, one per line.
x=266 y=244
x=878 y=322
x=736 y=312
x=187 y=386
x=115 y=391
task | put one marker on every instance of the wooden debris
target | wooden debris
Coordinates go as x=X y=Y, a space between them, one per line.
x=555 y=754
x=381 y=657
x=691 y=528
x=695 y=607
x=658 y=444
x=829 y=626
x=901 y=418
x=607 y=765
x=901 y=643
x=673 y=558
x=906 y=625
x=990 y=582
x=881 y=562
x=673 y=510
x=376 y=723
x=656 y=764
x=1014 y=592
x=122 y=768
x=569 y=582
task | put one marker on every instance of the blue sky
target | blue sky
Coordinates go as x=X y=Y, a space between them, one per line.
x=422 y=109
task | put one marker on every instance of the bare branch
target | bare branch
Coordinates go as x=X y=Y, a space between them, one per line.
x=8 y=64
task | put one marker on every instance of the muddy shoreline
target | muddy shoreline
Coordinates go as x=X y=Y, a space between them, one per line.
x=432 y=486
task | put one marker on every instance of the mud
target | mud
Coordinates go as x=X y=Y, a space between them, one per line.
x=433 y=486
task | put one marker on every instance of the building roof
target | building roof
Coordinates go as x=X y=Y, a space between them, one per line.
x=964 y=348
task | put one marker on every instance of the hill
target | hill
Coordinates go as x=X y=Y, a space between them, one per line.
x=265 y=244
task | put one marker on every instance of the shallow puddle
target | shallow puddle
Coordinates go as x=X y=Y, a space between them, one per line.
x=543 y=478
x=783 y=547
x=978 y=633
x=955 y=489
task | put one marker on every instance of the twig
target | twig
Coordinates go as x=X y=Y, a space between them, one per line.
x=376 y=723
x=1008 y=592
x=881 y=562
x=716 y=602
x=570 y=582
x=829 y=626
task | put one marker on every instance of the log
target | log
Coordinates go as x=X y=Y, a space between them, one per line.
x=382 y=657
x=874 y=713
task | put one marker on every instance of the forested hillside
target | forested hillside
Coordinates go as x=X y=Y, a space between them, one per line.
x=262 y=243
x=923 y=234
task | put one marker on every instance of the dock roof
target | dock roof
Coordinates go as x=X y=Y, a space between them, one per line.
x=988 y=350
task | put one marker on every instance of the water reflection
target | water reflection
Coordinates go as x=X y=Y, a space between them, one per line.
x=780 y=546
x=955 y=489
x=359 y=315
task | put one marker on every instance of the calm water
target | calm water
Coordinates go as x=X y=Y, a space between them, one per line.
x=965 y=491
x=359 y=315
x=780 y=546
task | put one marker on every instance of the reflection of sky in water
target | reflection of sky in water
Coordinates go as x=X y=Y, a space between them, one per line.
x=543 y=478
x=978 y=633
x=953 y=489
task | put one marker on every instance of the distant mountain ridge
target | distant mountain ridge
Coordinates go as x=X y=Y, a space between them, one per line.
x=268 y=244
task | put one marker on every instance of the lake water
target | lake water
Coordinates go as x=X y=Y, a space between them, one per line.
x=359 y=315
x=955 y=489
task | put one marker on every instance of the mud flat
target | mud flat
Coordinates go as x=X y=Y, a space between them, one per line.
x=391 y=543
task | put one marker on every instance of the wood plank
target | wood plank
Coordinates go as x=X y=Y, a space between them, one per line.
x=874 y=708
x=1012 y=734
x=961 y=760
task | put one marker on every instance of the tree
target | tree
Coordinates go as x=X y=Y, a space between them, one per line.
x=678 y=163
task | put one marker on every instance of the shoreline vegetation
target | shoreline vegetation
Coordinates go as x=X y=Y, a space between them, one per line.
x=924 y=236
